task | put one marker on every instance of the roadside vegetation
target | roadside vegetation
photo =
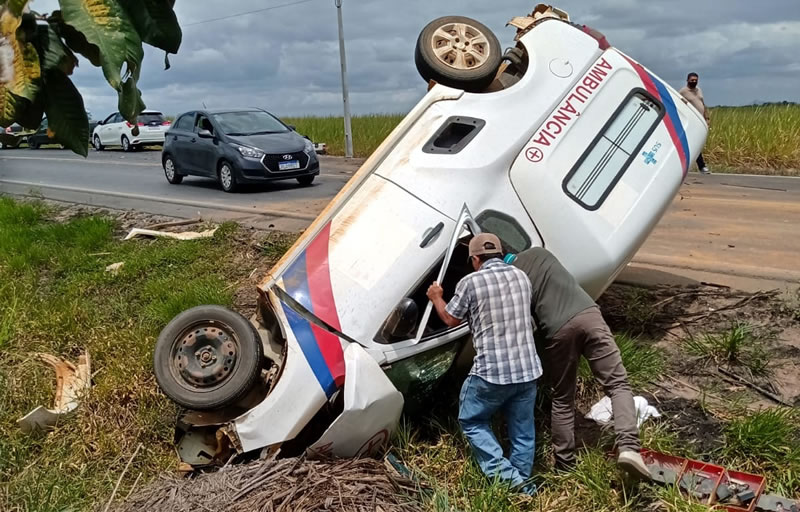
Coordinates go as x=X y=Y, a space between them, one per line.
x=755 y=140
x=741 y=344
x=758 y=140
x=56 y=297
x=368 y=131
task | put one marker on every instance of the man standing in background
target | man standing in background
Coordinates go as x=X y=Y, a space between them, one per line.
x=694 y=95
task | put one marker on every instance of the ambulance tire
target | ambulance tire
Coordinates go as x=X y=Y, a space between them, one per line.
x=207 y=358
x=460 y=68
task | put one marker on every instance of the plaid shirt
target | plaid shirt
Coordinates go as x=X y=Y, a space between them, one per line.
x=496 y=300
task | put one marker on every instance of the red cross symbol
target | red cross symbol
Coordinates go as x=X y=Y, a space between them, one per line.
x=534 y=154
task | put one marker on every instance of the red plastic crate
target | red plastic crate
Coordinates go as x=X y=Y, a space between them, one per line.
x=656 y=460
x=705 y=471
x=754 y=482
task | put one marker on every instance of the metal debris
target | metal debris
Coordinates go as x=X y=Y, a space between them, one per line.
x=714 y=485
x=71 y=382
x=186 y=235
x=114 y=268
x=295 y=484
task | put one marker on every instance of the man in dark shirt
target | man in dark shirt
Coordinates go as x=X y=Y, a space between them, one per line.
x=572 y=325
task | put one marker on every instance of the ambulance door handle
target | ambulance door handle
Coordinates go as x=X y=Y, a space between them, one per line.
x=431 y=234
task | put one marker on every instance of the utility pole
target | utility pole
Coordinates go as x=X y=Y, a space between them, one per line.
x=348 y=130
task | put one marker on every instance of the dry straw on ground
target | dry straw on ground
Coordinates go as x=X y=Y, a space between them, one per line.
x=295 y=485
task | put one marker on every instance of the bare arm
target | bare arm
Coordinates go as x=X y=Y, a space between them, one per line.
x=435 y=293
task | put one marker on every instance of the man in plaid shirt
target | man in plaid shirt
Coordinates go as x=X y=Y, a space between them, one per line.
x=496 y=299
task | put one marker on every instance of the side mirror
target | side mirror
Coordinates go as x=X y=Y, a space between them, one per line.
x=401 y=322
x=205 y=134
x=100 y=123
x=292 y=127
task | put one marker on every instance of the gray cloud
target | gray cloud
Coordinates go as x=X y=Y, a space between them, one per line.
x=287 y=59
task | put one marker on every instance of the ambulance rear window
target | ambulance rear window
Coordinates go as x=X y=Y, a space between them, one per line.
x=611 y=153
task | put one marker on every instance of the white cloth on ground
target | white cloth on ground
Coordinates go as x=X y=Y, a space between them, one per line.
x=602 y=414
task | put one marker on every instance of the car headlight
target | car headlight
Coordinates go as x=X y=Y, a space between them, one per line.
x=250 y=152
x=309 y=147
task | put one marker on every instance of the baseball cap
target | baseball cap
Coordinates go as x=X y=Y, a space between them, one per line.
x=484 y=243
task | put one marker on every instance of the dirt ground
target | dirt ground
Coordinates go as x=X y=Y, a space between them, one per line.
x=674 y=317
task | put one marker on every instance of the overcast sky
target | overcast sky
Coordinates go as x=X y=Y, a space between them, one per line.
x=287 y=59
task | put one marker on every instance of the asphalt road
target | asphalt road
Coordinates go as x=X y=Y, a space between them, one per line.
x=136 y=181
x=740 y=231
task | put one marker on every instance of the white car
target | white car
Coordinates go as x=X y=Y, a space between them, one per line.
x=563 y=142
x=116 y=131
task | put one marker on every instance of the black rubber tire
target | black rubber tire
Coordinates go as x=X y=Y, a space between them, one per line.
x=241 y=379
x=33 y=145
x=122 y=142
x=233 y=185
x=471 y=80
x=306 y=181
x=98 y=146
x=177 y=178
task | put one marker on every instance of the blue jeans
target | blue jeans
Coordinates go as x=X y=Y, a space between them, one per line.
x=478 y=402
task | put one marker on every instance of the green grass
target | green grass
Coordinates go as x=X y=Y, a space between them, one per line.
x=56 y=297
x=761 y=139
x=767 y=442
x=739 y=345
x=368 y=131
x=642 y=363
x=767 y=435
x=440 y=458
x=637 y=312
x=764 y=443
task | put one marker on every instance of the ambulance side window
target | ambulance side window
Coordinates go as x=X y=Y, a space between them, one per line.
x=605 y=161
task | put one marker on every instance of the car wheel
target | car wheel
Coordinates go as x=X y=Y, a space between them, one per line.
x=126 y=144
x=98 y=146
x=171 y=172
x=207 y=357
x=458 y=52
x=33 y=145
x=306 y=180
x=227 y=177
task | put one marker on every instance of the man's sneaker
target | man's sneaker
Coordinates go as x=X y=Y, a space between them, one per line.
x=632 y=463
x=705 y=170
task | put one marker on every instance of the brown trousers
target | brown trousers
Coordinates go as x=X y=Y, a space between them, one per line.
x=588 y=335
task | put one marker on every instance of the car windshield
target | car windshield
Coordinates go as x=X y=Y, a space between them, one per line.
x=249 y=123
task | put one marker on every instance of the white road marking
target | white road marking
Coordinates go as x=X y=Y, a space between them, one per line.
x=185 y=202
x=80 y=160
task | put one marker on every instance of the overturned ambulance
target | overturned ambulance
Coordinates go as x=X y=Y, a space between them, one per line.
x=562 y=141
